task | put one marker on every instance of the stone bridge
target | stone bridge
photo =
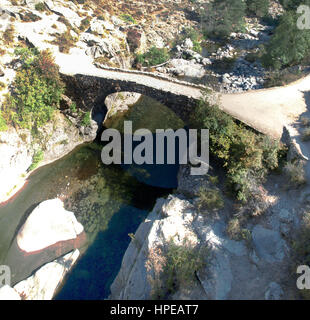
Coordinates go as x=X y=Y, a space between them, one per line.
x=267 y=110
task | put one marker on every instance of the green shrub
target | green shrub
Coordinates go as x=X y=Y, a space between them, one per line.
x=37 y=90
x=3 y=125
x=2 y=85
x=86 y=119
x=195 y=36
x=40 y=6
x=128 y=18
x=153 y=57
x=73 y=107
x=289 y=45
x=36 y=159
x=221 y=17
x=246 y=155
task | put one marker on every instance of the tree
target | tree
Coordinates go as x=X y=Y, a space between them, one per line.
x=289 y=45
x=221 y=17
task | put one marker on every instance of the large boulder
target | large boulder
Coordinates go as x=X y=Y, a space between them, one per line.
x=44 y=283
x=48 y=233
x=48 y=224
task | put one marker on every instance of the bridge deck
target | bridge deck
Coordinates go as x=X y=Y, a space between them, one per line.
x=266 y=110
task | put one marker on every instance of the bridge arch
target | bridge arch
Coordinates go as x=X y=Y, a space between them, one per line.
x=91 y=93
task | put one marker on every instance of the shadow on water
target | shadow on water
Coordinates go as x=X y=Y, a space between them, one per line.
x=96 y=270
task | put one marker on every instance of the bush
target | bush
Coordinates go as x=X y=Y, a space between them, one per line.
x=40 y=6
x=153 y=57
x=195 y=36
x=36 y=159
x=246 y=155
x=295 y=174
x=221 y=17
x=178 y=265
x=37 y=90
x=86 y=119
x=258 y=7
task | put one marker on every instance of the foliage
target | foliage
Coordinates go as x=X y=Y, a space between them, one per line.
x=86 y=119
x=246 y=155
x=37 y=90
x=84 y=24
x=3 y=125
x=40 y=6
x=65 y=41
x=258 y=7
x=36 y=159
x=209 y=199
x=8 y=35
x=178 y=265
x=153 y=57
x=195 y=36
x=289 y=45
x=221 y=17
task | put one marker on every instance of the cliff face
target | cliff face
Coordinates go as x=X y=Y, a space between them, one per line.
x=257 y=267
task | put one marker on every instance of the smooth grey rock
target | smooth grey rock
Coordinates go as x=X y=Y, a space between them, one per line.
x=44 y=283
x=268 y=243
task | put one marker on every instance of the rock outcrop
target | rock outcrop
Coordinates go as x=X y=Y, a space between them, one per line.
x=255 y=268
x=43 y=284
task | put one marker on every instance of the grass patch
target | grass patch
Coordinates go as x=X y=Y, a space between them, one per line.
x=64 y=41
x=128 y=18
x=209 y=199
x=174 y=266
